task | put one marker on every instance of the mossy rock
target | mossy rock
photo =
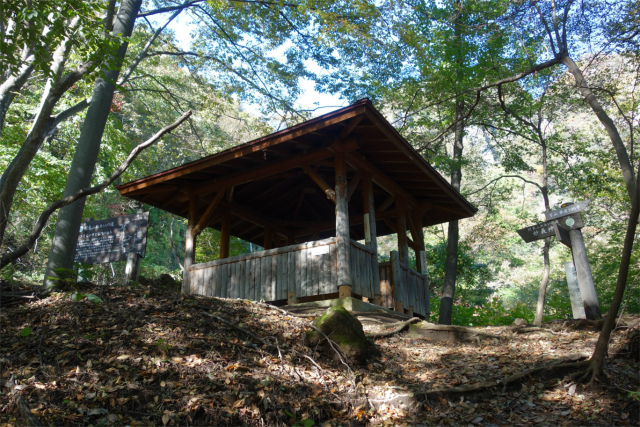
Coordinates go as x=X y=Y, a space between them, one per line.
x=342 y=328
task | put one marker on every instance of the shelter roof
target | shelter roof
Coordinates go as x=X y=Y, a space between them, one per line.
x=273 y=181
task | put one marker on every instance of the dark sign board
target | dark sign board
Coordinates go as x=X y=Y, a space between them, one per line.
x=110 y=240
x=537 y=232
x=567 y=210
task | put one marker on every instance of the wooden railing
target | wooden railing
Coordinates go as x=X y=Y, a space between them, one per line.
x=308 y=269
x=402 y=286
x=361 y=260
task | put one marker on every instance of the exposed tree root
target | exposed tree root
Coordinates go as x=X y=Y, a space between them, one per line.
x=398 y=327
x=29 y=419
x=513 y=378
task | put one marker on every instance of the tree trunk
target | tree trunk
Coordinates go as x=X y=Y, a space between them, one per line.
x=602 y=346
x=453 y=236
x=632 y=189
x=542 y=292
x=67 y=228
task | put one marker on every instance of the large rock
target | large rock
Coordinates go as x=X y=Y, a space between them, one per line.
x=342 y=328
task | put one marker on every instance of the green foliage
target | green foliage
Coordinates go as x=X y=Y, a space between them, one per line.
x=492 y=312
x=25 y=332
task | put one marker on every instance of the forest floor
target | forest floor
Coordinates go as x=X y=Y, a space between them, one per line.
x=147 y=356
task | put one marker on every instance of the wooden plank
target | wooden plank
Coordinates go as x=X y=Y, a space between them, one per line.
x=334 y=268
x=427 y=297
x=303 y=273
x=255 y=279
x=361 y=247
x=234 y=288
x=232 y=281
x=274 y=278
x=296 y=275
x=263 y=280
x=216 y=281
x=266 y=263
x=284 y=287
x=270 y=252
x=316 y=274
x=369 y=275
x=396 y=277
x=207 y=281
x=321 y=273
x=223 y=280
x=291 y=277
x=278 y=277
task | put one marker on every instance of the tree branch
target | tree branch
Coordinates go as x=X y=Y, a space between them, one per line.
x=501 y=177
x=54 y=206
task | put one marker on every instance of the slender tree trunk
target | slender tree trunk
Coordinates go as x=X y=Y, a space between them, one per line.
x=67 y=228
x=453 y=235
x=542 y=291
x=632 y=185
x=602 y=346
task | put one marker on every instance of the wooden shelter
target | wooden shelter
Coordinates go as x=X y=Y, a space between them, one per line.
x=308 y=194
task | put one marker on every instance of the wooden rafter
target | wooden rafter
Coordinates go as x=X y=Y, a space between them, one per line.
x=320 y=181
x=380 y=178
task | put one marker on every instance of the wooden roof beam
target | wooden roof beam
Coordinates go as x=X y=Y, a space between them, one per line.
x=273 y=168
x=255 y=218
x=353 y=123
x=206 y=215
x=380 y=178
x=353 y=185
x=313 y=174
x=410 y=242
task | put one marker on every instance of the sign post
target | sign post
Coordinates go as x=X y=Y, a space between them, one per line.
x=579 y=252
x=114 y=239
x=565 y=223
x=574 y=291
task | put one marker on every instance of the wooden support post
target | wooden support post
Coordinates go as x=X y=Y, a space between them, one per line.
x=401 y=230
x=585 y=279
x=371 y=236
x=225 y=234
x=268 y=239
x=292 y=298
x=190 y=243
x=342 y=227
x=418 y=238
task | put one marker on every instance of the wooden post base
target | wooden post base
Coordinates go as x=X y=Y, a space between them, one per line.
x=292 y=298
x=344 y=291
x=409 y=311
x=377 y=300
x=399 y=307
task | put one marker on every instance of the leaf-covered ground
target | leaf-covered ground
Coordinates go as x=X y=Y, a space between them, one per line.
x=150 y=357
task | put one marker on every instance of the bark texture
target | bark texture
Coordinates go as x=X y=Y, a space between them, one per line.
x=67 y=228
x=451 y=265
